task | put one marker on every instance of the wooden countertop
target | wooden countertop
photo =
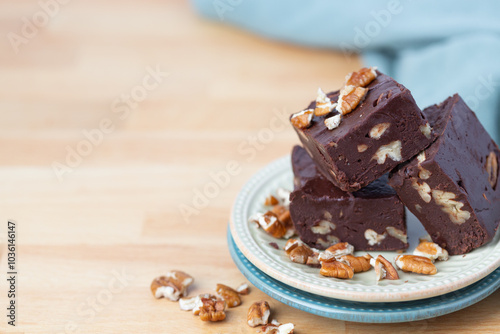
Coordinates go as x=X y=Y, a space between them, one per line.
x=98 y=219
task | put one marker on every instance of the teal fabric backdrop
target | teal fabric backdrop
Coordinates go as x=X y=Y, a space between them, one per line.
x=435 y=48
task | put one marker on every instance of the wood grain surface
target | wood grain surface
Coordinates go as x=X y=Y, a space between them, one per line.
x=101 y=149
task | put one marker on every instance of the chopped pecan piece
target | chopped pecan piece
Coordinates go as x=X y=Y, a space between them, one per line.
x=358 y=264
x=298 y=251
x=228 y=294
x=302 y=120
x=349 y=98
x=173 y=285
x=384 y=269
x=258 y=314
x=212 y=310
x=323 y=104
x=335 y=251
x=361 y=78
x=431 y=250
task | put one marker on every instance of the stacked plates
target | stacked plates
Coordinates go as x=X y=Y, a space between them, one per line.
x=460 y=282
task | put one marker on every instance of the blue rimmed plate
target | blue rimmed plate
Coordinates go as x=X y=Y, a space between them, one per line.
x=456 y=273
x=365 y=312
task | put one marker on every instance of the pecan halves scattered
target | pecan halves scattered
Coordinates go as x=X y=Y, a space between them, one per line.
x=336 y=269
x=358 y=263
x=416 y=264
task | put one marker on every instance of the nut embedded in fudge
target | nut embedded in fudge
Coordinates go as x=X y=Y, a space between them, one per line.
x=452 y=186
x=372 y=218
x=384 y=130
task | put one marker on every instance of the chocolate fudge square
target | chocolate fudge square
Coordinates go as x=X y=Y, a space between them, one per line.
x=452 y=186
x=386 y=129
x=372 y=218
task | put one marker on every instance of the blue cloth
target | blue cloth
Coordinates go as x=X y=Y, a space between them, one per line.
x=435 y=48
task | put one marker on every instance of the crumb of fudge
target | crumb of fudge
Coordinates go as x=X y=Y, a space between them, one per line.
x=274 y=245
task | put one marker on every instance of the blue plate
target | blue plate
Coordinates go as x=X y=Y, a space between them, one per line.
x=365 y=312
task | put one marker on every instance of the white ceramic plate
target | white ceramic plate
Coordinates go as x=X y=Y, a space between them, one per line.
x=456 y=273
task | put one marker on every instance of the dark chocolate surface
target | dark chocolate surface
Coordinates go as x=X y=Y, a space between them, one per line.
x=455 y=164
x=317 y=200
x=304 y=170
x=336 y=152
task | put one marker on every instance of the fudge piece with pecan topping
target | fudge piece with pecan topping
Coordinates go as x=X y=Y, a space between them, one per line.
x=452 y=186
x=377 y=127
x=372 y=218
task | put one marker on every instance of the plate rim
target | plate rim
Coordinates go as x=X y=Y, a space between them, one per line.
x=251 y=187
x=393 y=314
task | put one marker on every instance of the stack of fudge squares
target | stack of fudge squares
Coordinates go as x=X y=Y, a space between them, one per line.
x=368 y=151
